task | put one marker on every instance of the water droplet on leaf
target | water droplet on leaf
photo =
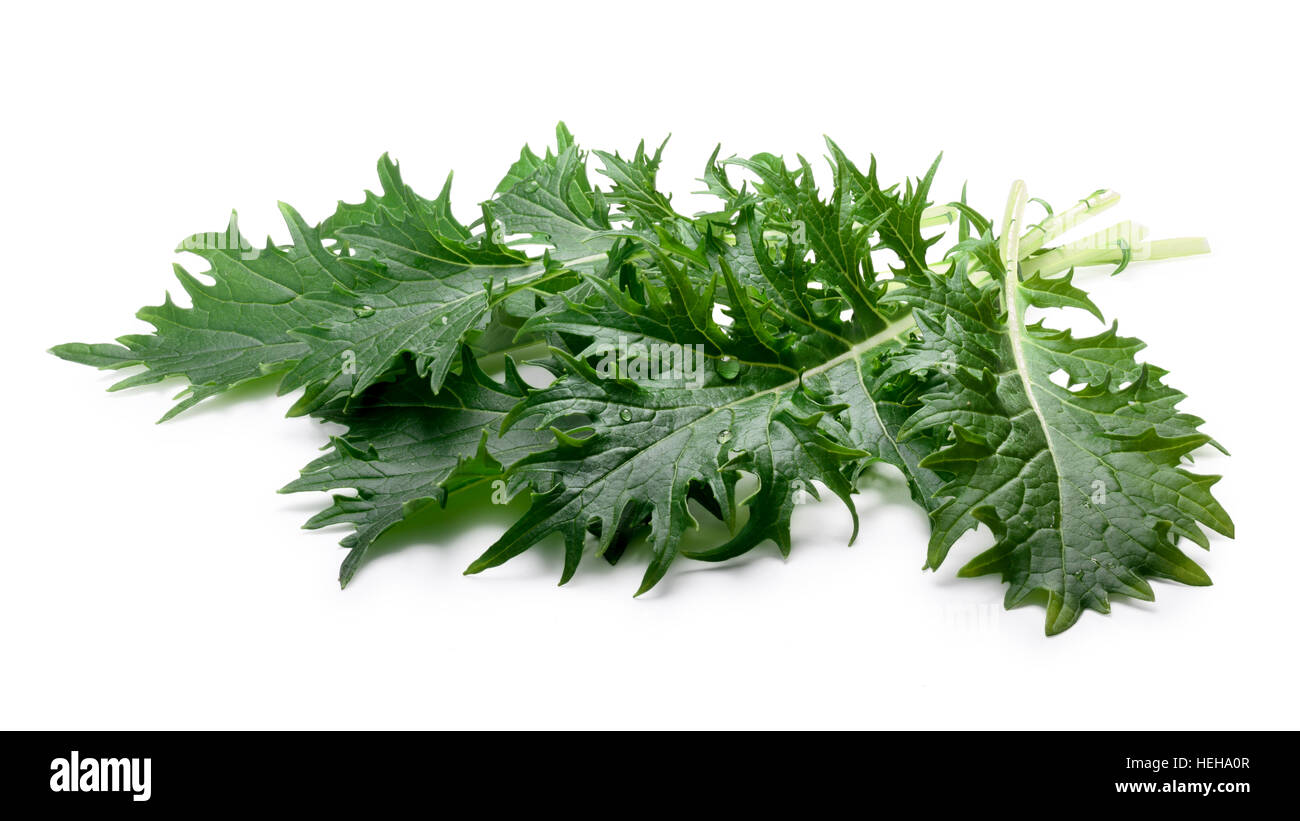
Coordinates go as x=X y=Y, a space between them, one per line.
x=443 y=320
x=728 y=367
x=363 y=310
x=724 y=437
x=625 y=415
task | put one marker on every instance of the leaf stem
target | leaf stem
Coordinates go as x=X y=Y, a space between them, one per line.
x=1054 y=226
x=1063 y=259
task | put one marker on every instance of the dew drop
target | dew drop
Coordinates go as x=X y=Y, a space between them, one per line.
x=443 y=320
x=363 y=310
x=724 y=437
x=728 y=367
x=625 y=415
x=530 y=185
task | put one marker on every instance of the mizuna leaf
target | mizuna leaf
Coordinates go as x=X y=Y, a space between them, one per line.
x=430 y=290
x=643 y=449
x=550 y=200
x=634 y=184
x=331 y=320
x=403 y=446
x=421 y=295
x=240 y=327
x=398 y=202
x=765 y=398
x=1083 y=487
x=406 y=278
x=759 y=340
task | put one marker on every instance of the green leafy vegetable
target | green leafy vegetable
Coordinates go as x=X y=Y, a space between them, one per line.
x=758 y=345
x=240 y=327
x=1083 y=486
x=404 y=445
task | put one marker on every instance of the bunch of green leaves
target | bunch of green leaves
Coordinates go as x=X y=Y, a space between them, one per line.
x=725 y=363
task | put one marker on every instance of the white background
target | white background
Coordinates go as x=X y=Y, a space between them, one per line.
x=153 y=578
